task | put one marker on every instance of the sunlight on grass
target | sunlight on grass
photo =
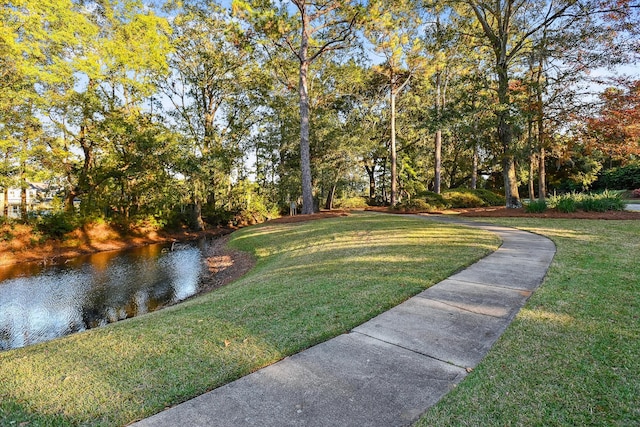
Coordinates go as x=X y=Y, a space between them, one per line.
x=571 y=355
x=312 y=281
x=546 y=316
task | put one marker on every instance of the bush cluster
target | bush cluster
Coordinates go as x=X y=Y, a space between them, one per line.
x=56 y=224
x=535 y=206
x=572 y=202
x=621 y=178
x=453 y=198
x=468 y=198
x=415 y=205
x=351 y=203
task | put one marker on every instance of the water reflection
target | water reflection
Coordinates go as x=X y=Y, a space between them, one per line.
x=42 y=303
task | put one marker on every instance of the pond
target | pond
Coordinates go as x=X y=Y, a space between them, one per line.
x=42 y=303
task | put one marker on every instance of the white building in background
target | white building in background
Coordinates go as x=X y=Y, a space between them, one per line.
x=38 y=197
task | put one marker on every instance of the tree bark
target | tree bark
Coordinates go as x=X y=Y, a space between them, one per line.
x=474 y=168
x=505 y=136
x=542 y=185
x=305 y=154
x=372 y=180
x=197 y=215
x=394 y=160
x=5 y=203
x=532 y=164
x=329 y=203
x=437 y=178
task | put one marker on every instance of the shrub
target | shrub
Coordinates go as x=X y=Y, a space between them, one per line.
x=56 y=224
x=468 y=198
x=435 y=200
x=535 y=206
x=463 y=199
x=351 y=203
x=414 y=205
x=592 y=202
x=489 y=197
x=636 y=193
x=620 y=178
x=567 y=204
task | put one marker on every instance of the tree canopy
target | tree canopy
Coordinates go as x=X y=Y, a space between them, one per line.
x=197 y=112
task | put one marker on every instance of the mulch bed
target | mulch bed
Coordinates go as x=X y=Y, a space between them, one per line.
x=501 y=211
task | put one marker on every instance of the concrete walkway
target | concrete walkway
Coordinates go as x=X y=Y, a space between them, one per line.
x=633 y=207
x=390 y=370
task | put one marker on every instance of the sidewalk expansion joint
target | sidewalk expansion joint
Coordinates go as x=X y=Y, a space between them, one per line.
x=412 y=350
x=493 y=285
x=457 y=307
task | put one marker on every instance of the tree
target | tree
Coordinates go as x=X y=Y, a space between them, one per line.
x=320 y=26
x=511 y=29
x=113 y=69
x=393 y=28
x=212 y=91
x=615 y=132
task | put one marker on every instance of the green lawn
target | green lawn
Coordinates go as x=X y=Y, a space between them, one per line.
x=572 y=355
x=312 y=281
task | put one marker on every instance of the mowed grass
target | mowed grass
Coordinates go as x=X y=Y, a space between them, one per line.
x=572 y=355
x=312 y=281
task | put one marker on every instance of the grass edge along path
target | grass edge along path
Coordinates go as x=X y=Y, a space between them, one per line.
x=570 y=357
x=312 y=281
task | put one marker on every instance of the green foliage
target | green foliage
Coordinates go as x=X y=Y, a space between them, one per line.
x=566 y=203
x=588 y=202
x=56 y=224
x=463 y=199
x=621 y=178
x=574 y=171
x=433 y=199
x=489 y=197
x=414 y=205
x=468 y=198
x=535 y=206
x=602 y=202
x=351 y=203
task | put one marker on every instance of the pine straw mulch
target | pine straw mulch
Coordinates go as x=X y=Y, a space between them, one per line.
x=501 y=211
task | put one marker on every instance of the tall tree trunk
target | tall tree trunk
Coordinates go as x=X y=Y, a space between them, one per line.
x=23 y=203
x=372 y=180
x=69 y=198
x=198 y=223
x=542 y=185
x=394 y=160
x=23 y=191
x=505 y=136
x=542 y=171
x=5 y=205
x=532 y=166
x=196 y=213
x=438 y=162
x=438 y=138
x=474 y=168
x=305 y=155
x=332 y=191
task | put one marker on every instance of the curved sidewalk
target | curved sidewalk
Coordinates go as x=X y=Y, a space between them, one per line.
x=390 y=370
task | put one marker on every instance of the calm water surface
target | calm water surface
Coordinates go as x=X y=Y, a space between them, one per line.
x=42 y=303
